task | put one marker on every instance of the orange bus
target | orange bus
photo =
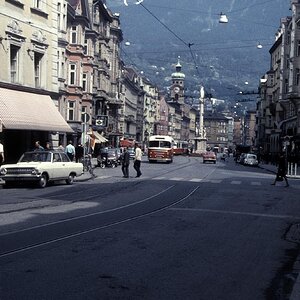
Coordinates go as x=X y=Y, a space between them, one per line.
x=160 y=148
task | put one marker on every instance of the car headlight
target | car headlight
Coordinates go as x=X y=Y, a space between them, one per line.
x=3 y=171
x=35 y=172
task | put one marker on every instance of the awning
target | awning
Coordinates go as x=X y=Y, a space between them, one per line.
x=99 y=138
x=27 y=111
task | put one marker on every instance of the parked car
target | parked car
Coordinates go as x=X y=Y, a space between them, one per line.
x=41 y=167
x=250 y=160
x=209 y=157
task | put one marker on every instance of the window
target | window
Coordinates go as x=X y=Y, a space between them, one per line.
x=298 y=48
x=14 y=63
x=59 y=16
x=62 y=71
x=38 y=4
x=297 y=76
x=58 y=65
x=85 y=47
x=286 y=86
x=71 y=110
x=74 y=35
x=84 y=82
x=37 y=68
x=72 y=74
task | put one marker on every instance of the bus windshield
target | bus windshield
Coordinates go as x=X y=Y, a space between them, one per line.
x=159 y=144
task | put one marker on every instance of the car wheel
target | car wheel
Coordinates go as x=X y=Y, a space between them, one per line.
x=43 y=181
x=70 y=179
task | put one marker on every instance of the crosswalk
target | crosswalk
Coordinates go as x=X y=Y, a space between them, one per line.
x=199 y=180
x=213 y=181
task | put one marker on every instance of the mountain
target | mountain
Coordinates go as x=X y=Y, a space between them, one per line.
x=222 y=57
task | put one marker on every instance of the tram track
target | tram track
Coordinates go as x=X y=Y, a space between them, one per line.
x=27 y=239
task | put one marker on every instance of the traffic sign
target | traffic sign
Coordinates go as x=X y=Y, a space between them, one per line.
x=85 y=117
x=102 y=121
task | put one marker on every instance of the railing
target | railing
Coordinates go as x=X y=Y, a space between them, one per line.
x=293 y=170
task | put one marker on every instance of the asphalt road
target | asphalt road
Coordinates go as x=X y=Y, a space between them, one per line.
x=184 y=230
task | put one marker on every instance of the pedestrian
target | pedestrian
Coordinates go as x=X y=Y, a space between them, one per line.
x=1 y=153
x=70 y=150
x=38 y=147
x=48 y=146
x=125 y=162
x=281 y=171
x=79 y=153
x=137 y=159
x=61 y=148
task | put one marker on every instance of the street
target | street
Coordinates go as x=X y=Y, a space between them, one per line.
x=184 y=230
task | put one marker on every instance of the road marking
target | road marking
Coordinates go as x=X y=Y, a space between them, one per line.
x=196 y=180
x=160 y=178
x=102 y=177
x=228 y=212
x=255 y=183
x=235 y=182
x=216 y=181
x=177 y=178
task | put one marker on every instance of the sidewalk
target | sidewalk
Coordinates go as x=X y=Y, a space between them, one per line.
x=86 y=175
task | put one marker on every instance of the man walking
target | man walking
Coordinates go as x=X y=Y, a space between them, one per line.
x=125 y=163
x=281 y=171
x=137 y=160
x=70 y=150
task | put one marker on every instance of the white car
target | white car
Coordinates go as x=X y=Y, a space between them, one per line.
x=41 y=167
x=250 y=160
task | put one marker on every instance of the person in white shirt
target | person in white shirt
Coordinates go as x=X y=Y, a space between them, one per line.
x=1 y=153
x=70 y=150
x=137 y=160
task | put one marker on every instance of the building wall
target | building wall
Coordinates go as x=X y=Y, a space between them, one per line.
x=28 y=36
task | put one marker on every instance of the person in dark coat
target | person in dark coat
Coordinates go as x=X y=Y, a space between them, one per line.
x=281 y=171
x=79 y=153
x=125 y=163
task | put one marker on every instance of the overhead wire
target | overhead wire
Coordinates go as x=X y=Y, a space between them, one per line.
x=189 y=44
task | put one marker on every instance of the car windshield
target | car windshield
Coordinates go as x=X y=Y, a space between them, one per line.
x=35 y=157
x=252 y=156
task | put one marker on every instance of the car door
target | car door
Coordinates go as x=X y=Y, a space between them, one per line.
x=66 y=165
x=58 y=168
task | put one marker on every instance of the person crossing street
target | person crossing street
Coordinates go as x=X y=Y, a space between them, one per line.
x=137 y=160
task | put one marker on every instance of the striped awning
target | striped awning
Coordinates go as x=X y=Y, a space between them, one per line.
x=99 y=138
x=27 y=111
